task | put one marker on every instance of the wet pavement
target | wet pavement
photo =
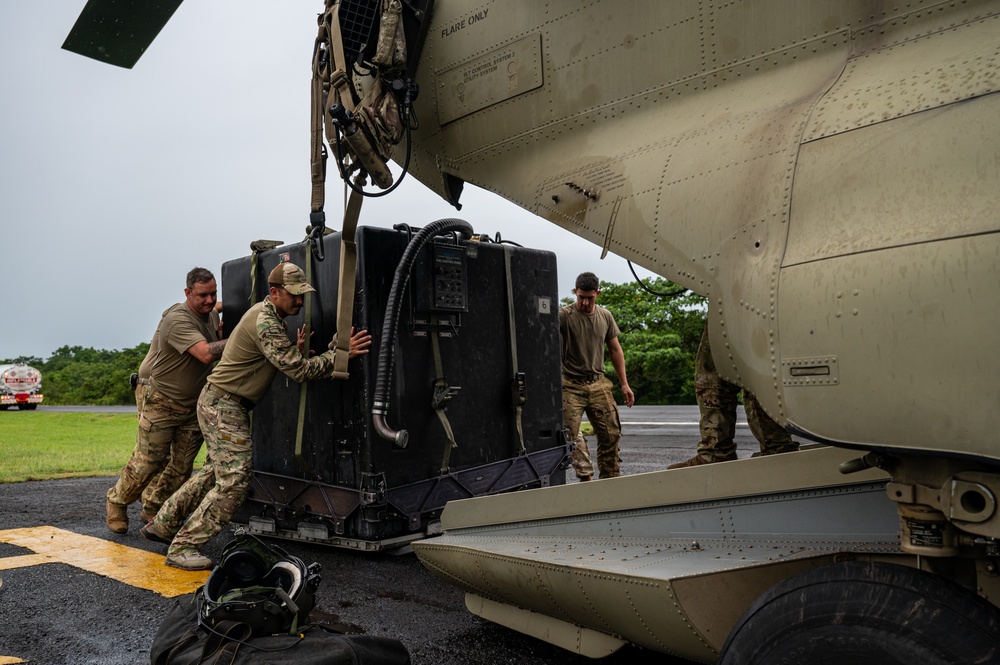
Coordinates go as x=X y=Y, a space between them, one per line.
x=55 y=609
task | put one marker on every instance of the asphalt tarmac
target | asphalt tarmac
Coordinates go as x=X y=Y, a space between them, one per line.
x=54 y=609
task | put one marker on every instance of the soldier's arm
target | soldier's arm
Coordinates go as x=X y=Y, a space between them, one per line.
x=181 y=332
x=207 y=352
x=281 y=353
x=618 y=362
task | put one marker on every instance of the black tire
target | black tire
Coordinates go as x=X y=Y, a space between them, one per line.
x=863 y=613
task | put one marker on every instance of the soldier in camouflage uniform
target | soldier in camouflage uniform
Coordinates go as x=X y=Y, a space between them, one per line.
x=181 y=353
x=258 y=349
x=717 y=401
x=584 y=330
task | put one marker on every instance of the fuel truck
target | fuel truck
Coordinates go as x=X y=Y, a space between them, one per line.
x=20 y=386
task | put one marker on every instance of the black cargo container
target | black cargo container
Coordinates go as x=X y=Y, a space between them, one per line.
x=339 y=482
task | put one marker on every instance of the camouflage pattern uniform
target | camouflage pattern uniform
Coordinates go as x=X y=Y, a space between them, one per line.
x=168 y=437
x=257 y=349
x=717 y=401
x=166 y=442
x=598 y=401
x=183 y=450
x=208 y=501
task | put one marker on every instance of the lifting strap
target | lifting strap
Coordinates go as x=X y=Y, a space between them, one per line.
x=339 y=83
x=336 y=83
x=348 y=279
x=345 y=314
x=328 y=86
x=304 y=386
x=367 y=142
x=517 y=387
x=318 y=154
x=331 y=84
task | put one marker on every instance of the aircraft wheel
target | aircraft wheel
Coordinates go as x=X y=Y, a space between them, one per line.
x=4 y=407
x=863 y=613
x=31 y=407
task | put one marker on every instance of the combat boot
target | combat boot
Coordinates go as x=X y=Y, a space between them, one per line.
x=117 y=517
x=190 y=560
x=151 y=533
x=698 y=460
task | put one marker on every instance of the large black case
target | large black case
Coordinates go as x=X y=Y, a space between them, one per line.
x=342 y=483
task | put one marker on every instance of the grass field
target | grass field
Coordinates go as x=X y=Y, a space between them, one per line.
x=42 y=446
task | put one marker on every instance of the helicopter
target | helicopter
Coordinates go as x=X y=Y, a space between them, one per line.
x=825 y=174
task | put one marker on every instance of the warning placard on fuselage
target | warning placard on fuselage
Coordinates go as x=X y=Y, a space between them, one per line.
x=501 y=74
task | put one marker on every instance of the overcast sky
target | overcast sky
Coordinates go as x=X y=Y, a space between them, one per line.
x=116 y=182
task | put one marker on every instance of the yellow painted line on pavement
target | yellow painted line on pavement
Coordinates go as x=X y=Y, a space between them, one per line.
x=9 y=660
x=129 y=565
x=23 y=561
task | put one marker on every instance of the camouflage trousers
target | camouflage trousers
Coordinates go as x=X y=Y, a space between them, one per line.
x=167 y=440
x=717 y=402
x=206 y=503
x=598 y=402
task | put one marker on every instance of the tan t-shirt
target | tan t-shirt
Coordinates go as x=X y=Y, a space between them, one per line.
x=173 y=371
x=147 y=362
x=583 y=338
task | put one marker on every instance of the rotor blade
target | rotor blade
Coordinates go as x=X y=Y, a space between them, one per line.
x=118 y=32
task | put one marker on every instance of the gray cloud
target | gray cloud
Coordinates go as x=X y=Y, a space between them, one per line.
x=114 y=182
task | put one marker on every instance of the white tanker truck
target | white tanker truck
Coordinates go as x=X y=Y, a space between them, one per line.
x=20 y=386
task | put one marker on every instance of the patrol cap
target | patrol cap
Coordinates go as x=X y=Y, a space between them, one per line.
x=291 y=277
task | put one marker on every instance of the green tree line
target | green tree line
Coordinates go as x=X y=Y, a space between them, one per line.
x=78 y=375
x=659 y=336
